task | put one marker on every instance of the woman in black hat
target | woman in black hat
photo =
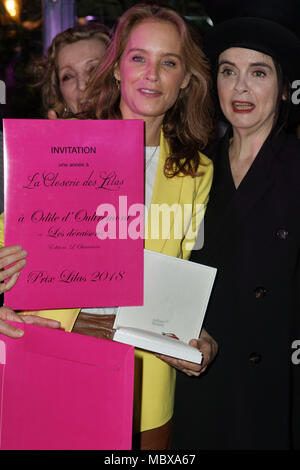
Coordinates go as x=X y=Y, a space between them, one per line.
x=249 y=397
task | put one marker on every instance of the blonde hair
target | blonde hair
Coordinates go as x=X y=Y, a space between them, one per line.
x=188 y=125
x=45 y=70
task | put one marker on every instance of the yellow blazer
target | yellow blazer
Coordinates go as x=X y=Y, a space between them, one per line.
x=154 y=388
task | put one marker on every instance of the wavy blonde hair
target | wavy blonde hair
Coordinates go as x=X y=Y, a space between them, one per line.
x=188 y=125
x=45 y=70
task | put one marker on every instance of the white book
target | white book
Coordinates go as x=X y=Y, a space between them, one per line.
x=176 y=294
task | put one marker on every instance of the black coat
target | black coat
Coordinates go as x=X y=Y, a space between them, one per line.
x=248 y=398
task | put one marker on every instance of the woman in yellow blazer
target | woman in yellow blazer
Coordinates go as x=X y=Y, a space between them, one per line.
x=156 y=391
x=155 y=71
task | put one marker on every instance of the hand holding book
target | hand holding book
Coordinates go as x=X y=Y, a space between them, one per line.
x=206 y=345
x=176 y=294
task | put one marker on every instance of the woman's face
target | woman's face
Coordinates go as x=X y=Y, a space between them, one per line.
x=151 y=70
x=75 y=62
x=247 y=88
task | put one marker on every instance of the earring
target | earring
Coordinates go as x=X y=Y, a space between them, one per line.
x=65 y=111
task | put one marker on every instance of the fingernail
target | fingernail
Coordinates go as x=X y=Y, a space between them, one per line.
x=19 y=333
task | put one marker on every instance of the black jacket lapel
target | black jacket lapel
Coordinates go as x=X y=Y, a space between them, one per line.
x=233 y=205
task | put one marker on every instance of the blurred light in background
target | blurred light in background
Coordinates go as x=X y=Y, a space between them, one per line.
x=13 y=8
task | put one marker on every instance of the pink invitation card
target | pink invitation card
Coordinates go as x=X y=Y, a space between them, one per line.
x=73 y=198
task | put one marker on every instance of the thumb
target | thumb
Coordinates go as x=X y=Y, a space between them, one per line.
x=51 y=114
x=194 y=343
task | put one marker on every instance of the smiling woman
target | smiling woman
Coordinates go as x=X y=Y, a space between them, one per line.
x=75 y=62
x=64 y=73
x=178 y=63
x=151 y=72
x=155 y=70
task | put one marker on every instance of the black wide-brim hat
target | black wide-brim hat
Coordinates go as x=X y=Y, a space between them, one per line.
x=259 y=34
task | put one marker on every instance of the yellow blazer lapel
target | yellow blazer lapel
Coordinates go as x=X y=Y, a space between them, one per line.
x=166 y=192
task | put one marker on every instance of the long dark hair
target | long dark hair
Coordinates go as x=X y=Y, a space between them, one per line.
x=283 y=107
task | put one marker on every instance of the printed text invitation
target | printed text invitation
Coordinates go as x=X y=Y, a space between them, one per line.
x=73 y=198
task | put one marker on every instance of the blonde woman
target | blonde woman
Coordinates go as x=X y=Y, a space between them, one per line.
x=155 y=71
x=64 y=73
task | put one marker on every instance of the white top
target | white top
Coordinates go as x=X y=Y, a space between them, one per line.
x=151 y=161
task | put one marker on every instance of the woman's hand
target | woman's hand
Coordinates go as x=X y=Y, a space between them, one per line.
x=52 y=114
x=208 y=347
x=7 y=314
x=14 y=257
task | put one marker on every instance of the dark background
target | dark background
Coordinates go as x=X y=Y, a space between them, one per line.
x=22 y=41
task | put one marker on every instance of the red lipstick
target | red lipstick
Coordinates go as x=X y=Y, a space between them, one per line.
x=242 y=106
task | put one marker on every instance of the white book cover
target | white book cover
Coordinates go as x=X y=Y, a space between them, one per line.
x=176 y=294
